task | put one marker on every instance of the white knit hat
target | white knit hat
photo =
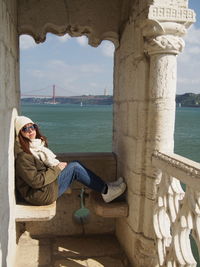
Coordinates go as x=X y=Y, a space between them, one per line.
x=20 y=121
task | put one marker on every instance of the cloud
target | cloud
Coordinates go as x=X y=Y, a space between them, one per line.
x=83 y=40
x=50 y=64
x=107 y=48
x=27 y=42
x=193 y=36
x=189 y=62
x=64 y=38
x=80 y=68
x=75 y=79
x=36 y=73
x=90 y=68
x=194 y=50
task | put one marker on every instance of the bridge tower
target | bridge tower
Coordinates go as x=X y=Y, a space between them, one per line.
x=54 y=94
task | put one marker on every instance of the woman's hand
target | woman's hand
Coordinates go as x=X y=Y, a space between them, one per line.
x=62 y=165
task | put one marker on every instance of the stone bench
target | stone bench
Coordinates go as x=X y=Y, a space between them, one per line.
x=104 y=165
x=25 y=212
x=115 y=209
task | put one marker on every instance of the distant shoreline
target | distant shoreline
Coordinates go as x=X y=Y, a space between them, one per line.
x=189 y=100
x=80 y=100
x=185 y=100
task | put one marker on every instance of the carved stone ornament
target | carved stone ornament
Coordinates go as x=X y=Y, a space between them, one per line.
x=168 y=44
x=176 y=218
x=178 y=3
x=164 y=26
x=98 y=20
x=175 y=14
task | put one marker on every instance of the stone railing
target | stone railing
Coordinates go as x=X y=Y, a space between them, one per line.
x=177 y=211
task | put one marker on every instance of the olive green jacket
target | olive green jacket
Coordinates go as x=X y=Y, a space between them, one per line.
x=35 y=182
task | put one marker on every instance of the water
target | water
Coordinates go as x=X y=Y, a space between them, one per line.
x=187 y=133
x=72 y=128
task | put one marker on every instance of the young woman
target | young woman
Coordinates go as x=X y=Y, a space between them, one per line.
x=41 y=178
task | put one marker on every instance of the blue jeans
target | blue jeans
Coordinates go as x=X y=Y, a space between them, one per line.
x=76 y=171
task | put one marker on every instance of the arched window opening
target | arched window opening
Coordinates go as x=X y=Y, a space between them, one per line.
x=67 y=88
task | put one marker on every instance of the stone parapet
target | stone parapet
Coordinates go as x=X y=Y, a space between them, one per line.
x=177 y=212
x=184 y=169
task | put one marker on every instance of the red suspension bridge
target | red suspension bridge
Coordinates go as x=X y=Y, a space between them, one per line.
x=53 y=95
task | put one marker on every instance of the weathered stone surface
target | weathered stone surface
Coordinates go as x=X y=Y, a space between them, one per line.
x=135 y=217
x=127 y=238
x=33 y=252
x=8 y=103
x=77 y=18
x=25 y=212
x=64 y=224
x=137 y=247
x=86 y=246
x=96 y=262
x=96 y=250
x=114 y=209
x=126 y=48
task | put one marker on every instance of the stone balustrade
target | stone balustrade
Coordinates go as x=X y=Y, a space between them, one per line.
x=177 y=212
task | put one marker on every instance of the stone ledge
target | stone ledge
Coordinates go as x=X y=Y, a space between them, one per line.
x=25 y=212
x=114 y=209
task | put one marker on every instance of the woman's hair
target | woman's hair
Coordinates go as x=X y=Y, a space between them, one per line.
x=24 y=141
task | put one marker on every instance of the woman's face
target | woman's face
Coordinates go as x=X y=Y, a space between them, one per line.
x=29 y=131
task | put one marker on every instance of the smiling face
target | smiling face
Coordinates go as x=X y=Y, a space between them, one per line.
x=29 y=131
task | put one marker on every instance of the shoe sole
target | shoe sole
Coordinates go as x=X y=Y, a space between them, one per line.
x=116 y=196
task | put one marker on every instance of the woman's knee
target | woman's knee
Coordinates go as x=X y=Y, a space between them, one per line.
x=74 y=164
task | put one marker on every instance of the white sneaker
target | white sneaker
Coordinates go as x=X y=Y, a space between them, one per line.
x=114 y=191
x=117 y=182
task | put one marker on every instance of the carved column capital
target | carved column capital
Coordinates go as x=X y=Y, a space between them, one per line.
x=163 y=37
x=164 y=44
x=163 y=28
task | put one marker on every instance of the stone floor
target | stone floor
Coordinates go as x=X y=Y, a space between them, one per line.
x=92 y=251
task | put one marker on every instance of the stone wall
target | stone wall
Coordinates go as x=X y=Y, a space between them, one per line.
x=9 y=95
x=144 y=113
x=130 y=134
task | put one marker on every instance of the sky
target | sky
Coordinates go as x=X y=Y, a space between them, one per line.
x=75 y=68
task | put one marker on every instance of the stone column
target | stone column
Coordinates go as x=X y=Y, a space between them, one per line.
x=163 y=42
x=163 y=31
x=162 y=50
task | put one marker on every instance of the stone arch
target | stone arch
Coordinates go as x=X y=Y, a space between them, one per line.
x=98 y=20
